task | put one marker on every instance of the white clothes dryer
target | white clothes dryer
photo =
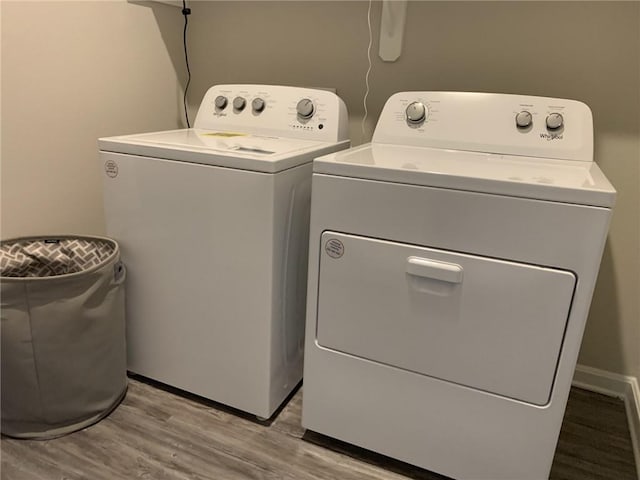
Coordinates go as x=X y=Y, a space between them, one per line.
x=451 y=267
x=213 y=226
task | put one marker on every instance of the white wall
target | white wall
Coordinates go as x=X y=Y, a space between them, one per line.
x=73 y=72
x=589 y=51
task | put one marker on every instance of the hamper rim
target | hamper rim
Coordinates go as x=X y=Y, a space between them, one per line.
x=115 y=254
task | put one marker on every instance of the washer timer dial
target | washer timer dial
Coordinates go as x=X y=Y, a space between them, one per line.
x=305 y=109
x=416 y=113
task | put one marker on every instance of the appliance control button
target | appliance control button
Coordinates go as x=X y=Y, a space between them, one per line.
x=305 y=108
x=524 y=119
x=416 y=112
x=239 y=103
x=221 y=102
x=257 y=105
x=554 y=121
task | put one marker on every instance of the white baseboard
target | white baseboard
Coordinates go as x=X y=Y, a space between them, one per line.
x=615 y=385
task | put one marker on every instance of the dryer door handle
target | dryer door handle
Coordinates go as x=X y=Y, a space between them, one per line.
x=443 y=271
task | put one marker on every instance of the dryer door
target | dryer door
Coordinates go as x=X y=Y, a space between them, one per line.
x=492 y=325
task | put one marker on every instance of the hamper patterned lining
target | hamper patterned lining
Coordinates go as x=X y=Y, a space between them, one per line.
x=52 y=257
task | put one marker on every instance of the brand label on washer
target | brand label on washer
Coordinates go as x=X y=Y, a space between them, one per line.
x=111 y=168
x=334 y=248
x=551 y=136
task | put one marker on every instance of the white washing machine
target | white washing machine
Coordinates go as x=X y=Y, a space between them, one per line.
x=452 y=263
x=213 y=226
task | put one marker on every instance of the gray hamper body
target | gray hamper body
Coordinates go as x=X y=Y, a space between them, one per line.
x=63 y=356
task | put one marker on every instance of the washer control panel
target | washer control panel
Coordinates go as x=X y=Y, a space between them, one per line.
x=274 y=110
x=487 y=122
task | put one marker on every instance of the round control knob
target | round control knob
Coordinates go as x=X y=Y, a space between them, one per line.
x=257 y=105
x=305 y=108
x=416 y=112
x=221 y=102
x=524 y=119
x=554 y=121
x=239 y=103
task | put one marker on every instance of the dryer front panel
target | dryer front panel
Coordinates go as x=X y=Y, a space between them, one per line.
x=489 y=324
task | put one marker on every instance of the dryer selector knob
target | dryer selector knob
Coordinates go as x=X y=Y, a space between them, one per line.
x=554 y=121
x=305 y=109
x=524 y=119
x=257 y=105
x=221 y=102
x=416 y=113
x=239 y=103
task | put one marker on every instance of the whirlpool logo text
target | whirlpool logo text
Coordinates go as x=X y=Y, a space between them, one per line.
x=551 y=136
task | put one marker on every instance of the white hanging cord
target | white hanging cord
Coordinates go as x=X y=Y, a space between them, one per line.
x=366 y=78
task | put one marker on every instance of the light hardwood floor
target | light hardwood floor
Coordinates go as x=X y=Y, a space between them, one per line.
x=156 y=434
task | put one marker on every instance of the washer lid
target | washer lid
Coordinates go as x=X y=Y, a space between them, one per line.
x=519 y=176
x=239 y=150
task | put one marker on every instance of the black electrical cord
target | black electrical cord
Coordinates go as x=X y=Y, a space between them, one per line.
x=186 y=12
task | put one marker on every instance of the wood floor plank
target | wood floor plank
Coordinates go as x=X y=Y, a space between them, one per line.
x=157 y=434
x=595 y=442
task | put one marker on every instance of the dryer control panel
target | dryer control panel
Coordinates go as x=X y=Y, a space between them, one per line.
x=489 y=122
x=294 y=112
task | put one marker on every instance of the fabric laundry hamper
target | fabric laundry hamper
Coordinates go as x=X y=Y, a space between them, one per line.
x=63 y=357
